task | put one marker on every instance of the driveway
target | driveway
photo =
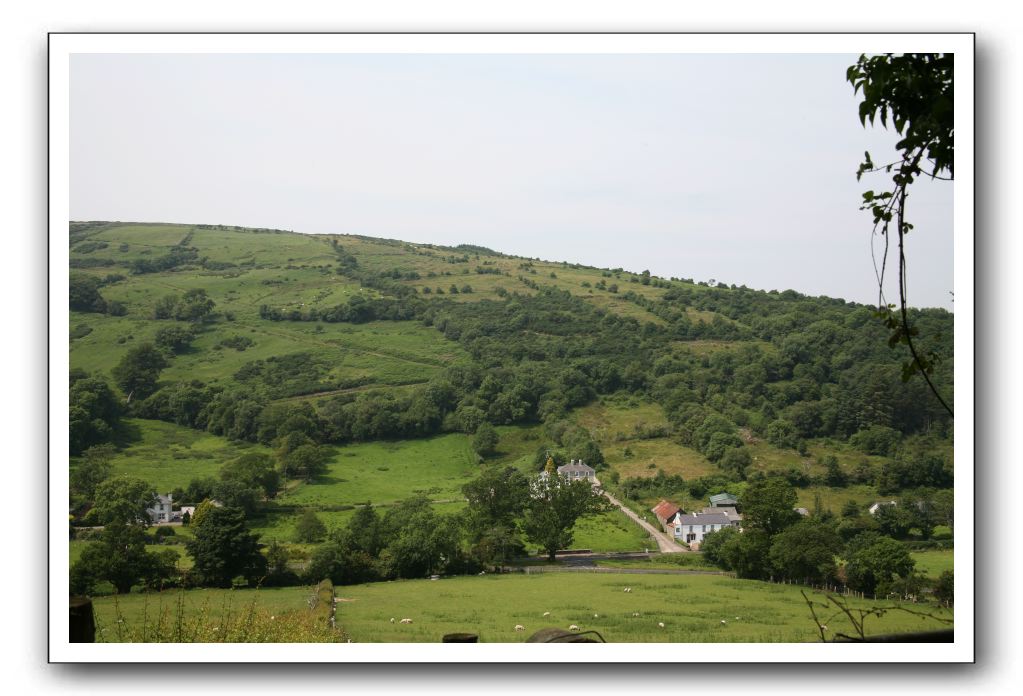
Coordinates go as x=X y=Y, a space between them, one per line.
x=664 y=542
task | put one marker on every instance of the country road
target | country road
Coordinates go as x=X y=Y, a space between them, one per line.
x=665 y=543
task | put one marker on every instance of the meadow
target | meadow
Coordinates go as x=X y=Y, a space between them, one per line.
x=693 y=608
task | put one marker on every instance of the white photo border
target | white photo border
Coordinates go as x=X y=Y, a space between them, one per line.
x=63 y=45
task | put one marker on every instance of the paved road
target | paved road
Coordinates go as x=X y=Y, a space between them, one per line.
x=665 y=543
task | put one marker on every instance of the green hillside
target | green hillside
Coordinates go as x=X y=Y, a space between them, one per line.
x=194 y=345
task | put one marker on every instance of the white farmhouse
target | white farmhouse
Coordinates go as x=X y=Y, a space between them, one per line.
x=161 y=511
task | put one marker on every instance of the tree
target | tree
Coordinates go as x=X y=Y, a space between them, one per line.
x=768 y=505
x=944 y=589
x=223 y=548
x=917 y=92
x=342 y=562
x=174 y=338
x=123 y=499
x=833 y=475
x=305 y=461
x=138 y=370
x=92 y=470
x=84 y=293
x=194 y=305
x=876 y=560
x=253 y=470
x=94 y=413
x=484 y=443
x=309 y=528
x=806 y=552
x=554 y=506
x=365 y=531
x=735 y=462
x=496 y=499
x=119 y=558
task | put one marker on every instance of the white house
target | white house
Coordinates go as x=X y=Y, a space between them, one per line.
x=161 y=511
x=692 y=528
x=880 y=504
x=576 y=470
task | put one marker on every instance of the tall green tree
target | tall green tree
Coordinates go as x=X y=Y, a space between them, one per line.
x=768 y=505
x=874 y=561
x=224 y=548
x=254 y=470
x=555 y=505
x=123 y=499
x=137 y=372
x=806 y=552
x=121 y=559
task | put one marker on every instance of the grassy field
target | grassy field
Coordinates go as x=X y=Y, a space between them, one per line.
x=381 y=472
x=612 y=531
x=933 y=563
x=166 y=456
x=692 y=608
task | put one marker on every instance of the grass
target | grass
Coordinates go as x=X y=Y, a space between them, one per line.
x=167 y=456
x=667 y=561
x=933 y=563
x=266 y=615
x=389 y=471
x=612 y=531
x=691 y=607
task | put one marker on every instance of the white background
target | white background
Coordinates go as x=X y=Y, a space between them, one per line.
x=23 y=47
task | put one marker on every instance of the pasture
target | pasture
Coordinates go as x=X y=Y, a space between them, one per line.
x=692 y=608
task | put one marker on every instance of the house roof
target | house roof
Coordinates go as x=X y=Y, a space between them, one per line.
x=704 y=518
x=720 y=498
x=665 y=510
x=575 y=466
x=164 y=499
x=724 y=510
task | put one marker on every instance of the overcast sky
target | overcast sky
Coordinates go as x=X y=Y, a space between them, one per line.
x=739 y=168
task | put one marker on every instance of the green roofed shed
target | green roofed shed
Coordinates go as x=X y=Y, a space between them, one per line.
x=723 y=500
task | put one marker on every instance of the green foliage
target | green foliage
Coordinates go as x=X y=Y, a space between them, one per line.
x=944 y=589
x=805 y=552
x=877 y=439
x=306 y=461
x=93 y=468
x=138 y=370
x=554 y=506
x=93 y=411
x=174 y=339
x=767 y=505
x=123 y=500
x=84 y=293
x=223 y=548
x=309 y=528
x=253 y=470
x=121 y=559
x=484 y=442
x=874 y=561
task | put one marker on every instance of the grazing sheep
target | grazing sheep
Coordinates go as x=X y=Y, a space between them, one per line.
x=823 y=627
x=723 y=621
x=596 y=616
x=546 y=613
x=660 y=624
x=573 y=627
x=392 y=619
x=736 y=618
x=405 y=621
x=520 y=627
x=635 y=613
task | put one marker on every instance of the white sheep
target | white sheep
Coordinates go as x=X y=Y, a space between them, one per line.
x=635 y=613
x=627 y=589
x=546 y=613
x=823 y=627
x=723 y=621
x=660 y=624
x=573 y=627
x=596 y=616
x=392 y=619
x=520 y=627
x=405 y=621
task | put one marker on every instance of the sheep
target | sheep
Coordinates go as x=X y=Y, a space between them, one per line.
x=405 y=621
x=660 y=624
x=596 y=616
x=573 y=627
x=635 y=613
x=520 y=627
x=627 y=589
x=823 y=627
x=392 y=619
x=723 y=621
x=546 y=614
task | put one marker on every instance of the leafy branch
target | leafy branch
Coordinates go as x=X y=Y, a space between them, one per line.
x=916 y=92
x=857 y=617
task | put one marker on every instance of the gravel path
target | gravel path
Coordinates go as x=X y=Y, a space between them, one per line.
x=665 y=543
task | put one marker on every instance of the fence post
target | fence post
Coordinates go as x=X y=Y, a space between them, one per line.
x=82 y=624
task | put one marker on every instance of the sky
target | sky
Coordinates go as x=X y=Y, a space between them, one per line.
x=734 y=167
